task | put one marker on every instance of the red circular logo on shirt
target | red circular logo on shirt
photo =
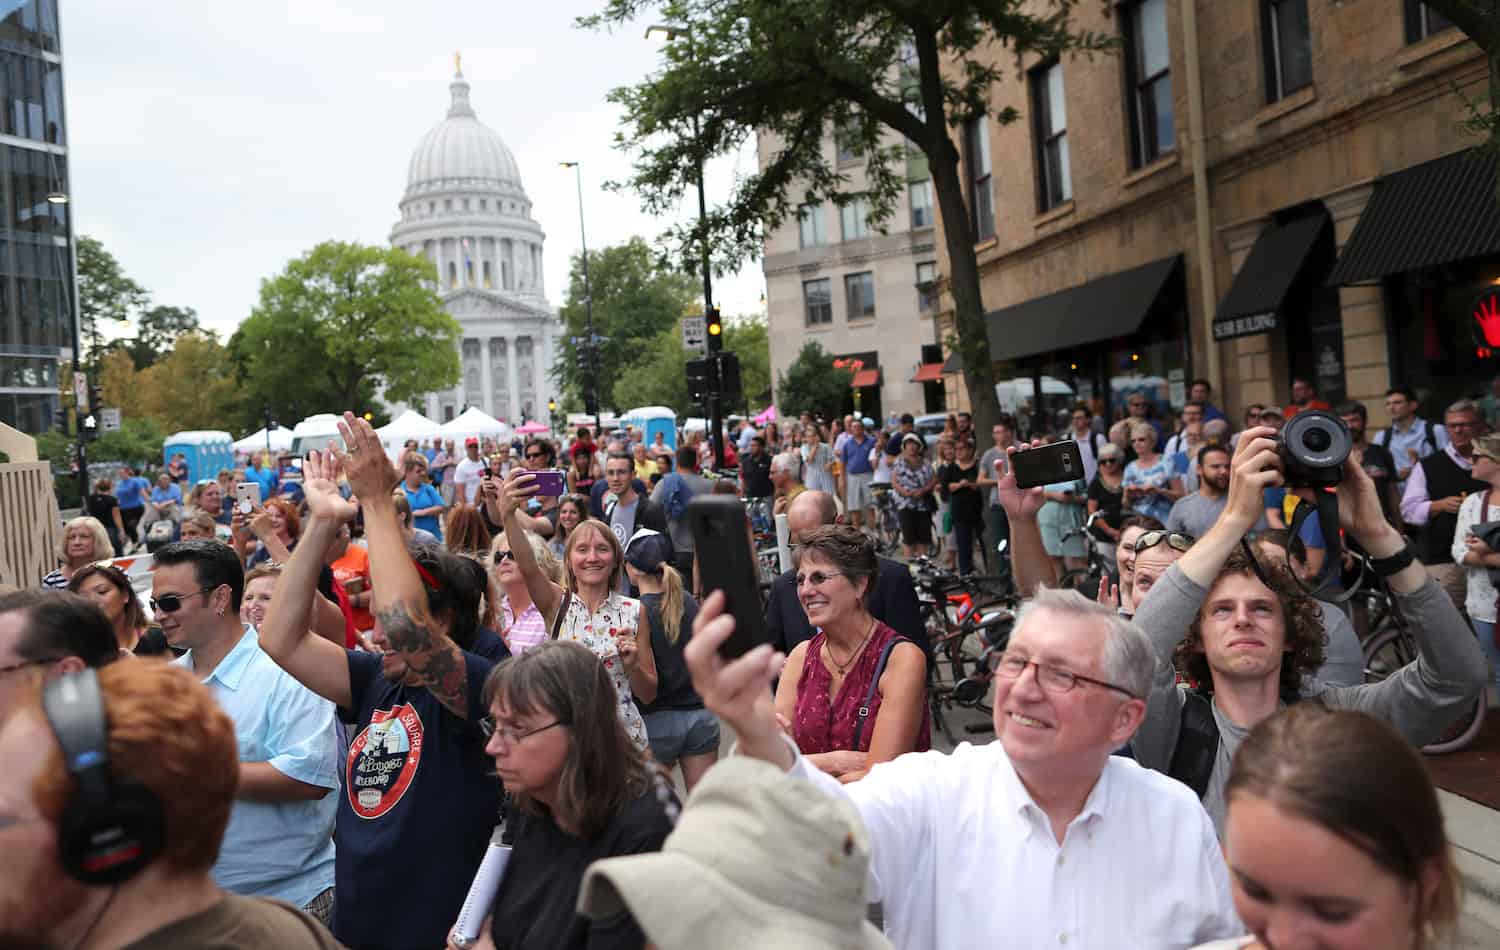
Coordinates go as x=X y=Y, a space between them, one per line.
x=383 y=760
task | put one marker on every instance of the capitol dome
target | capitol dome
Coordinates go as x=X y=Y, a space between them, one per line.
x=461 y=152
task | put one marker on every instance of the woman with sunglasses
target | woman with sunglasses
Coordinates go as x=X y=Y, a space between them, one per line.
x=1335 y=839
x=852 y=696
x=1151 y=482
x=588 y=608
x=521 y=625
x=582 y=791
x=109 y=587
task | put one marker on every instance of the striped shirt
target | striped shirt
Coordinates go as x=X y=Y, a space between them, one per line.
x=523 y=632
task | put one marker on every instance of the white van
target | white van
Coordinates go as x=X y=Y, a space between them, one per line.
x=315 y=432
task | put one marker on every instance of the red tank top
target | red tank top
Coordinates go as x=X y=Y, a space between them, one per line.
x=819 y=725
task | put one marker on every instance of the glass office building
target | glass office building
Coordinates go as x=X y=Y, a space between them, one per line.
x=36 y=254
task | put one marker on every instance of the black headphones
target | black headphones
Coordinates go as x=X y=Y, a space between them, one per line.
x=108 y=831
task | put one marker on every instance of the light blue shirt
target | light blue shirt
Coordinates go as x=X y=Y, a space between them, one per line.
x=282 y=850
x=1413 y=436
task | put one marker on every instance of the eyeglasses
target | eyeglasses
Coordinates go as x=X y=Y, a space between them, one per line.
x=536 y=455
x=1174 y=540
x=1050 y=678
x=1111 y=460
x=171 y=603
x=503 y=556
x=508 y=734
x=1462 y=425
x=817 y=578
x=25 y=663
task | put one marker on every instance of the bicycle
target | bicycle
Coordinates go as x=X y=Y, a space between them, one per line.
x=887 y=523
x=1085 y=579
x=1390 y=646
x=968 y=620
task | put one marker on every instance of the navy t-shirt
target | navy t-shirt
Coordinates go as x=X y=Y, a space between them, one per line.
x=490 y=645
x=419 y=803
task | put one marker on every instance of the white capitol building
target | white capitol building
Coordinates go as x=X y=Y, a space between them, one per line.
x=465 y=210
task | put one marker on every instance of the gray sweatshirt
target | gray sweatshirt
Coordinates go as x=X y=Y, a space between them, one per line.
x=1421 y=699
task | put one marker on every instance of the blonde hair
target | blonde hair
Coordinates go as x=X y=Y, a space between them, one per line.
x=583 y=529
x=540 y=549
x=102 y=546
x=673 y=597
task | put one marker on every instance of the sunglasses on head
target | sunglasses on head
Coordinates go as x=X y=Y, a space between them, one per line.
x=503 y=556
x=171 y=603
x=1174 y=540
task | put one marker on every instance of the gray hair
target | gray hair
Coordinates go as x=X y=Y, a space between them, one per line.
x=1466 y=406
x=789 y=463
x=1128 y=661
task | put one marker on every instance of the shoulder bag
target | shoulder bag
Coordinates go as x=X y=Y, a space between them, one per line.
x=864 y=708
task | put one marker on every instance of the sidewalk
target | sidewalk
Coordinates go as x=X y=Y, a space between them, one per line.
x=1470 y=795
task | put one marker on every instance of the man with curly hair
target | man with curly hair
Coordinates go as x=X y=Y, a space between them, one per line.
x=1251 y=647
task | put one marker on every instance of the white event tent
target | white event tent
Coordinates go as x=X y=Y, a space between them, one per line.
x=280 y=441
x=474 y=422
x=409 y=425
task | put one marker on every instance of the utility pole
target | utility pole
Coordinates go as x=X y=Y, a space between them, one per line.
x=591 y=381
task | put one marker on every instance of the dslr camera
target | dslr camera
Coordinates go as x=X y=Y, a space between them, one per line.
x=1313 y=446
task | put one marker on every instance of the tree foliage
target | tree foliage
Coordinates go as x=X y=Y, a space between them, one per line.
x=106 y=295
x=340 y=324
x=750 y=340
x=637 y=296
x=1480 y=21
x=656 y=376
x=878 y=71
x=812 y=384
x=192 y=387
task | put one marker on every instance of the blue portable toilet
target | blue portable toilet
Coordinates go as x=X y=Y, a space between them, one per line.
x=205 y=450
x=651 y=420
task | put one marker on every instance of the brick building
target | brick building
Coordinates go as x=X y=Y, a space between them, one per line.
x=1290 y=195
x=862 y=295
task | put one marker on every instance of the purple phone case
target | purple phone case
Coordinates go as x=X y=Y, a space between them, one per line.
x=550 y=482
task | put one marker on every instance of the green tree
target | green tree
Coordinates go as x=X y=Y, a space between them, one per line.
x=106 y=295
x=871 y=69
x=1480 y=21
x=339 y=324
x=137 y=441
x=812 y=384
x=657 y=375
x=191 y=387
x=637 y=295
x=158 y=329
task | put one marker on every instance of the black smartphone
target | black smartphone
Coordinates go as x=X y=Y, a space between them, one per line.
x=722 y=541
x=1047 y=464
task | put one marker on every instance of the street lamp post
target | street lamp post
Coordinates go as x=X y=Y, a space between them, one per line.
x=716 y=396
x=588 y=294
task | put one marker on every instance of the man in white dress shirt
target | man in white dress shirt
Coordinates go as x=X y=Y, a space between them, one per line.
x=1040 y=838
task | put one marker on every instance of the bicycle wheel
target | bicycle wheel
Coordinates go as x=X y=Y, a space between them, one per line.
x=1392 y=648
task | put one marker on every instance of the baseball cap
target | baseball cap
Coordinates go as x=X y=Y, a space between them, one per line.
x=648 y=550
x=471 y=440
x=912 y=437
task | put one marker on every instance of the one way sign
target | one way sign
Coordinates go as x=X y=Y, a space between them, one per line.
x=695 y=335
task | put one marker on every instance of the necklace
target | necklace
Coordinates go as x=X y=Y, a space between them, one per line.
x=843 y=667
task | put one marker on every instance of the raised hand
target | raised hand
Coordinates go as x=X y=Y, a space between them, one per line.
x=739 y=690
x=320 y=484
x=1360 y=513
x=1255 y=467
x=370 y=472
x=515 y=490
x=1019 y=502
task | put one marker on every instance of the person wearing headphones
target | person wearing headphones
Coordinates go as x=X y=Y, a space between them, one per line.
x=116 y=791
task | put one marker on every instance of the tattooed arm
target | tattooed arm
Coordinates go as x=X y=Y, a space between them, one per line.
x=400 y=600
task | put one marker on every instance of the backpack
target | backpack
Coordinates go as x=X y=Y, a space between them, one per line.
x=1198 y=741
x=1384 y=440
x=674 y=495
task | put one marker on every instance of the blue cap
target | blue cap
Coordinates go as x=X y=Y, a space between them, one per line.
x=648 y=550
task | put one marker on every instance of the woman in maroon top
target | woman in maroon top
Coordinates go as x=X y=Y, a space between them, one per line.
x=826 y=679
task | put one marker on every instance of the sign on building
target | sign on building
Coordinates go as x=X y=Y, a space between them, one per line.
x=109 y=420
x=695 y=335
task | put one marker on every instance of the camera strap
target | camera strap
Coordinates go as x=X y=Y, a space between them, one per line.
x=1327 y=512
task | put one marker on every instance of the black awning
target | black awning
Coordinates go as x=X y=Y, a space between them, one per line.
x=1279 y=257
x=954 y=363
x=1104 y=308
x=1430 y=214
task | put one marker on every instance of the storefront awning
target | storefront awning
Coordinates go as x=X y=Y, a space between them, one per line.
x=954 y=363
x=1281 y=253
x=1430 y=214
x=929 y=373
x=1101 y=309
x=866 y=377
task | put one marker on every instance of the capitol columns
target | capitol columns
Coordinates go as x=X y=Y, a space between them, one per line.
x=539 y=375
x=486 y=381
x=513 y=377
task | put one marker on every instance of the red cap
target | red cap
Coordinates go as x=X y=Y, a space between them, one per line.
x=471 y=440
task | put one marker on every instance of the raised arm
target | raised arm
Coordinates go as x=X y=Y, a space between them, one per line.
x=316 y=663
x=400 y=600
x=1028 y=557
x=512 y=494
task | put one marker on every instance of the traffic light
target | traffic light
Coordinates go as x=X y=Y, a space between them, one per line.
x=715 y=326
x=584 y=363
x=699 y=373
x=88 y=429
x=729 y=376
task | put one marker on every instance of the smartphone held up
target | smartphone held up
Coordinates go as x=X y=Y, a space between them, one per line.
x=725 y=562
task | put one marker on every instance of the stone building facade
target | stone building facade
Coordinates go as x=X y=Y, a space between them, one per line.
x=466 y=211
x=861 y=294
x=1199 y=217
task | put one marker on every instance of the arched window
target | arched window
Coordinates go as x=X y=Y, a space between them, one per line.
x=452 y=275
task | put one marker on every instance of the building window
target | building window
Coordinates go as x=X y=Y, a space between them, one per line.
x=921 y=204
x=1422 y=21
x=817 y=296
x=981 y=189
x=1288 y=47
x=810 y=223
x=927 y=287
x=488 y=282
x=447 y=204
x=1148 y=75
x=1054 y=179
x=855 y=217
x=844 y=146
x=859 y=292
x=452 y=275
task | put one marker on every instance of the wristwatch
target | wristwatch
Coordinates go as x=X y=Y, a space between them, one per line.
x=1395 y=564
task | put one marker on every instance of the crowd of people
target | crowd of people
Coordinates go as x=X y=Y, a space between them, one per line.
x=386 y=663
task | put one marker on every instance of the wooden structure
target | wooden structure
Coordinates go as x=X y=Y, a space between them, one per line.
x=30 y=522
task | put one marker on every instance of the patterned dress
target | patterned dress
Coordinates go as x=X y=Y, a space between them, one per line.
x=617 y=615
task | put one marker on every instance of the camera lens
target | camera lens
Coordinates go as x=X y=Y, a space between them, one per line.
x=1317 y=440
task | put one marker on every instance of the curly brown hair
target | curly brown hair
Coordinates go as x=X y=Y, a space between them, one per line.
x=1306 y=641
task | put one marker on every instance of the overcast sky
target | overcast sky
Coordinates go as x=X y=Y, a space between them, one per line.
x=210 y=143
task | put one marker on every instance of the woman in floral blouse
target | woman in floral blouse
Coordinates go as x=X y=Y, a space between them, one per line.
x=589 y=609
x=914 y=482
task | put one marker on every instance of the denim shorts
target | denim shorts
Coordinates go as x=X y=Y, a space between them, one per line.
x=675 y=733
